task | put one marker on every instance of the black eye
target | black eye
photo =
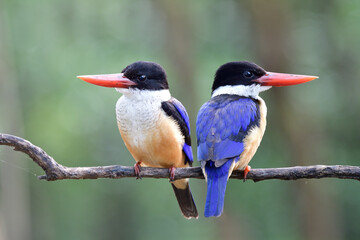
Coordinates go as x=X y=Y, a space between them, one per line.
x=248 y=74
x=142 y=78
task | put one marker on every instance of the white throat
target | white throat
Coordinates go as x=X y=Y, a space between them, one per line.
x=138 y=113
x=241 y=90
x=145 y=95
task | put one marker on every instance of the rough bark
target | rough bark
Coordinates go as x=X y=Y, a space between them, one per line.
x=55 y=171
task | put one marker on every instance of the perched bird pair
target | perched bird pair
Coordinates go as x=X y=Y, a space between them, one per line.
x=155 y=126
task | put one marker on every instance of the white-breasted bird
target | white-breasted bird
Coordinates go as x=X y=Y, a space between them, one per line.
x=153 y=125
x=231 y=124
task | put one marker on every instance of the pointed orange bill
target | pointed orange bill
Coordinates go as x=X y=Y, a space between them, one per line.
x=116 y=80
x=283 y=79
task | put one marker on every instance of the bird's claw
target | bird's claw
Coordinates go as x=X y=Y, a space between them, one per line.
x=172 y=174
x=137 y=170
x=246 y=171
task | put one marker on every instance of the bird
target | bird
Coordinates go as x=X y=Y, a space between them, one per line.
x=230 y=126
x=153 y=125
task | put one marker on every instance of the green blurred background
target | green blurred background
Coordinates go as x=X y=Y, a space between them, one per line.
x=44 y=44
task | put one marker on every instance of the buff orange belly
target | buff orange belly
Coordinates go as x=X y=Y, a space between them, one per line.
x=160 y=146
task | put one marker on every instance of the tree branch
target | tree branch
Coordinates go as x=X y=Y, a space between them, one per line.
x=55 y=171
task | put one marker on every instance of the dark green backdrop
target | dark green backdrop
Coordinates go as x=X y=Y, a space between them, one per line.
x=44 y=44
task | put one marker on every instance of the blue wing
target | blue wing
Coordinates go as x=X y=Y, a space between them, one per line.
x=177 y=111
x=222 y=124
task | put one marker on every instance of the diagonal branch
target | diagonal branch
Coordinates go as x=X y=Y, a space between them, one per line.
x=55 y=171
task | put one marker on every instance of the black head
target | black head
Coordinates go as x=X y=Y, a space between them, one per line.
x=151 y=76
x=146 y=75
x=237 y=73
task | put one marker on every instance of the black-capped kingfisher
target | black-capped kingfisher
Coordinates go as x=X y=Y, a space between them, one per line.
x=231 y=124
x=153 y=125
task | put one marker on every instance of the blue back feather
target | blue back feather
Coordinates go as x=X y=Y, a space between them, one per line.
x=222 y=124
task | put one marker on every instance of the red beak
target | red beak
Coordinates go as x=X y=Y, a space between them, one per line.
x=116 y=80
x=283 y=79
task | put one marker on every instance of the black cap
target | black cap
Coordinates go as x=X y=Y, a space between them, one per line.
x=146 y=75
x=237 y=73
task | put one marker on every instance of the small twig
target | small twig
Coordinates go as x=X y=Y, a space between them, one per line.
x=55 y=171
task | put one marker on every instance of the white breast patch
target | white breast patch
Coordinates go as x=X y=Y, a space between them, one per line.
x=138 y=113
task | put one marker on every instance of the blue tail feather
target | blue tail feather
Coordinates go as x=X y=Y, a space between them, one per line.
x=216 y=185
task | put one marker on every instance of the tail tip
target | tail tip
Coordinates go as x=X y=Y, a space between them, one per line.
x=186 y=202
x=195 y=215
x=209 y=213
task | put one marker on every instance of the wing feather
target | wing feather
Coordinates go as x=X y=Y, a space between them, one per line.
x=173 y=108
x=223 y=123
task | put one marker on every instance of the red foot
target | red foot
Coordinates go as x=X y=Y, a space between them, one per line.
x=246 y=171
x=137 y=169
x=172 y=174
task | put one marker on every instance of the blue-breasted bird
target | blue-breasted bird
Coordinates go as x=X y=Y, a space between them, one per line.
x=231 y=124
x=154 y=126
